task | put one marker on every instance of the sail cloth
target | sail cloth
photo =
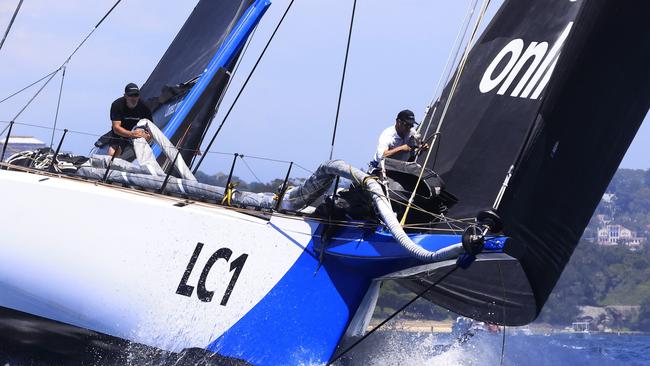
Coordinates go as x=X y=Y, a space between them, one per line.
x=556 y=89
x=184 y=61
x=496 y=100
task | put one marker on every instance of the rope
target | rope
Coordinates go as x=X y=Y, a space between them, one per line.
x=58 y=104
x=11 y=22
x=92 y=31
x=503 y=340
x=5 y=129
x=446 y=71
x=36 y=94
x=249 y=169
x=419 y=295
x=241 y=90
x=223 y=93
x=449 y=99
x=267 y=159
x=50 y=76
x=28 y=86
x=303 y=168
x=345 y=66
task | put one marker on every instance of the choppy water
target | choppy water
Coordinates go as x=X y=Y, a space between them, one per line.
x=412 y=349
x=392 y=347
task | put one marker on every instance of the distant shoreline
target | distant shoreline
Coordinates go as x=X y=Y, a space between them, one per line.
x=445 y=326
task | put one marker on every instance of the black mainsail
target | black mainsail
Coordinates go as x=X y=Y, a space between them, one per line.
x=185 y=60
x=553 y=92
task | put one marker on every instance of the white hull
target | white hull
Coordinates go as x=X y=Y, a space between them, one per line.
x=112 y=260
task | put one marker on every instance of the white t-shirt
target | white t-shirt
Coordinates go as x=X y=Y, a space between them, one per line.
x=388 y=140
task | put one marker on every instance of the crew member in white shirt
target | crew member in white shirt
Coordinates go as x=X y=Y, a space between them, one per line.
x=398 y=141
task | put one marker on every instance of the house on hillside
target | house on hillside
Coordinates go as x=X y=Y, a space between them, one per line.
x=614 y=234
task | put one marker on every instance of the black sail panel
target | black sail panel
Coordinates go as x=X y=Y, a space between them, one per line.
x=562 y=119
x=184 y=61
x=592 y=111
x=497 y=99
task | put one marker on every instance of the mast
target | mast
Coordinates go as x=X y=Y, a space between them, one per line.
x=186 y=86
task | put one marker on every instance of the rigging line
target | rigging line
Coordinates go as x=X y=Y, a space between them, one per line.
x=243 y=86
x=303 y=168
x=446 y=71
x=345 y=67
x=503 y=340
x=11 y=22
x=92 y=31
x=461 y=66
x=35 y=95
x=223 y=92
x=459 y=72
x=58 y=105
x=65 y=62
x=460 y=41
x=96 y=135
x=249 y=169
x=219 y=153
x=416 y=207
x=449 y=224
x=268 y=159
x=429 y=288
x=30 y=125
x=5 y=129
x=29 y=86
x=443 y=219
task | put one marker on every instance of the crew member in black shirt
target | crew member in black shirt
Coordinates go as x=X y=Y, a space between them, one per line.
x=126 y=112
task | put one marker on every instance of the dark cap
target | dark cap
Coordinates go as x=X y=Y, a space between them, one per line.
x=131 y=89
x=407 y=116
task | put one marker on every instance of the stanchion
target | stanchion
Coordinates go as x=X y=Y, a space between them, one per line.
x=56 y=153
x=283 y=189
x=4 y=147
x=169 y=172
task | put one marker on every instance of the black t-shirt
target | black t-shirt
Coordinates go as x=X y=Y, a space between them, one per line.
x=128 y=116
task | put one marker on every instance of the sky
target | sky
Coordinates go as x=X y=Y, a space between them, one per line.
x=287 y=112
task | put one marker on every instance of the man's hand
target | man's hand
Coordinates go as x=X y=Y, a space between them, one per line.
x=138 y=133
x=424 y=147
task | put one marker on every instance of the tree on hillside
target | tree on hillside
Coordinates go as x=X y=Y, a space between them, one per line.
x=644 y=316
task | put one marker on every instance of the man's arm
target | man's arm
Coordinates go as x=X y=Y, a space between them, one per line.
x=390 y=152
x=121 y=131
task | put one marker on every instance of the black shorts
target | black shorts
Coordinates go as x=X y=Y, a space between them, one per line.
x=113 y=140
x=120 y=142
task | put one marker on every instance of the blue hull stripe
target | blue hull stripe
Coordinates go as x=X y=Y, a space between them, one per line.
x=302 y=319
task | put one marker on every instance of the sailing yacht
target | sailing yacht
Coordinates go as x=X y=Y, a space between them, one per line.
x=525 y=138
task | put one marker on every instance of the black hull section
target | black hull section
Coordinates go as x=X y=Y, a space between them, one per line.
x=27 y=339
x=493 y=289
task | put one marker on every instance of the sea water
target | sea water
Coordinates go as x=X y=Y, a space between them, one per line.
x=400 y=348
x=420 y=349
